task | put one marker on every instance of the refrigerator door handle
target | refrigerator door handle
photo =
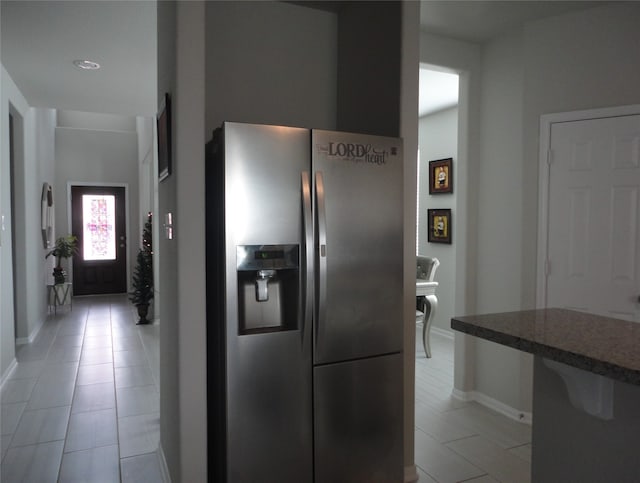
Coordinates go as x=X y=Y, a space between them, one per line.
x=307 y=220
x=321 y=265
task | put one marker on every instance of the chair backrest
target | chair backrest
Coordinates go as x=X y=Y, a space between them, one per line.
x=426 y=268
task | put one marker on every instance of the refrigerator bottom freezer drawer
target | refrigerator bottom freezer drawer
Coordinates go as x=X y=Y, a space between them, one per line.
x=358 y=421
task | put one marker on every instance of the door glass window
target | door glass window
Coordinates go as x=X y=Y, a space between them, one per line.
x=99 y=220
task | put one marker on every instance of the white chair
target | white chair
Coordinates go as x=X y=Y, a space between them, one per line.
x=426 y=300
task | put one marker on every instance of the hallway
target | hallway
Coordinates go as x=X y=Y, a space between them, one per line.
x=82 y=404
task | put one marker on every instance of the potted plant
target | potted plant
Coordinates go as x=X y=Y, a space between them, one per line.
x=142 y=292
x=65 y=247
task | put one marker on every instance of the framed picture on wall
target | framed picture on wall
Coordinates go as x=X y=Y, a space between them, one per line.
x=164 y=139
x=441 y=176
x=439 y=226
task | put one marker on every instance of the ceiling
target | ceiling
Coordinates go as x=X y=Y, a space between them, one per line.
x=40 y=40
x=438 y=91
x=479 y=20
x=475 y=21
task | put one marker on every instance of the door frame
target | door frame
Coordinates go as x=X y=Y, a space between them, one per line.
x=544 y=161
x=70 y=184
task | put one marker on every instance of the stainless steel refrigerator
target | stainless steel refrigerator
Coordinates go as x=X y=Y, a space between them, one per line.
x=304 y=305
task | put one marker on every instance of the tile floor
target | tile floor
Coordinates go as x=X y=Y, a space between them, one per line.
x=458 y=441
x=82 y=404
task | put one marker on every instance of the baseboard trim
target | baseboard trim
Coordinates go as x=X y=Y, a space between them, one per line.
x=32 y=336
x=447 y=334
x=494 y=404
x=164 y=469
x=8 y=372
x=410 y=474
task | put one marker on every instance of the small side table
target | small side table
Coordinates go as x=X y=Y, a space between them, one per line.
x=59 y=294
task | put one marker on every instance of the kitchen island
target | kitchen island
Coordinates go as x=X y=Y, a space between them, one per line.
x=586 y=395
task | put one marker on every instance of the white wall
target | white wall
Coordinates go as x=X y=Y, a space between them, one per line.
x=88 y=155
x=39 y=168
x=438 y=139
x=410 y=47
x=574 y=61
x=9 y=94
x=501 y=373
x=34 y=165
x=96 y=121
x=463 y=58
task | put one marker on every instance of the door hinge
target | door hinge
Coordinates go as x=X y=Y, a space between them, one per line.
x=549 y=157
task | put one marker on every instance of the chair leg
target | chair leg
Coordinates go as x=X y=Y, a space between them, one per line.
x=430 y=310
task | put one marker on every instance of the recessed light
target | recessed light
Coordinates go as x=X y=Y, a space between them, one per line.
x=86 y=64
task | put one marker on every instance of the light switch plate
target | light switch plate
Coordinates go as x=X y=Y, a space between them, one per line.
x=168 y=226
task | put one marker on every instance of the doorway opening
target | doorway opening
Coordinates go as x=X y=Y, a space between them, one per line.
x=438 y=141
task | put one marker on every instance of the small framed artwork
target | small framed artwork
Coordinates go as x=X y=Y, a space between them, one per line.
x=439 y=226
x=441 y=176
x=164 y=139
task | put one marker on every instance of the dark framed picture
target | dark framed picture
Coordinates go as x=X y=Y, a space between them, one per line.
x=439 y=226
x=441 y=176
x=164 y=139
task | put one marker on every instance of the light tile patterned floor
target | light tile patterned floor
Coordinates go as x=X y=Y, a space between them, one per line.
x=457 y=441
x=83 y=402
x=83 y=405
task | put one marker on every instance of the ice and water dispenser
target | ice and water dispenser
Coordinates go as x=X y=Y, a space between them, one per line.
x=268 y=293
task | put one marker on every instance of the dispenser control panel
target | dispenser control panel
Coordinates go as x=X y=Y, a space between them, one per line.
x=266 y=257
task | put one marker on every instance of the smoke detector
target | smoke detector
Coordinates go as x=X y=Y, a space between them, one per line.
x=86 y=64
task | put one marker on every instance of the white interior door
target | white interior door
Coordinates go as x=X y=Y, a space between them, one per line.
x=593 y=216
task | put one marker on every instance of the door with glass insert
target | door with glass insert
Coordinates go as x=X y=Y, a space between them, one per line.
x=98 y=219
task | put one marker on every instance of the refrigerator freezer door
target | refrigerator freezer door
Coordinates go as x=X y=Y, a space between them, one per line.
x=269 y=401
x=358 y=421
x=359 y=224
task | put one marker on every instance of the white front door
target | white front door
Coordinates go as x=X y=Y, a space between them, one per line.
x=593 y=248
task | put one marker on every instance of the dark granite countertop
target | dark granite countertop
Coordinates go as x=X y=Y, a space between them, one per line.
x=602 y=345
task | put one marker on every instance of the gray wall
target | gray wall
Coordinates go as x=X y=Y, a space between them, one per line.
x=88 y=154
x=270 y=63
x=367 y=77
x=170 y=389
x=190 y=141
x=438 y=139
x=591 y=449
x=303 y=55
